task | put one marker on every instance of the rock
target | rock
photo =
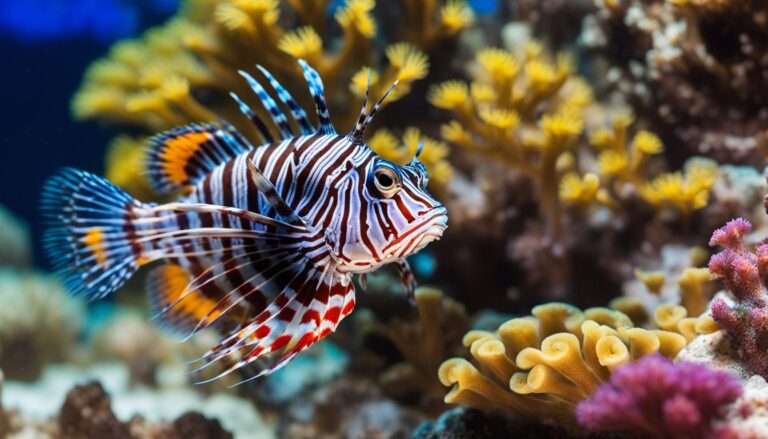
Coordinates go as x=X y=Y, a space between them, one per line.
x=748 y=416
x=463 y=422
x=350 y=407
x=193 y=425
x=379 y=419
x=87 y=413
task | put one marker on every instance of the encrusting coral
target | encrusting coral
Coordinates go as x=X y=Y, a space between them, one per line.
x=694 y=68
x=39 y=323
x=744 y=274
x=182 y=71
x=661 y=399
x=542 y=366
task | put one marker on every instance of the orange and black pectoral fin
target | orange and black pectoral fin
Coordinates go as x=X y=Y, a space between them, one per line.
x=184 y=155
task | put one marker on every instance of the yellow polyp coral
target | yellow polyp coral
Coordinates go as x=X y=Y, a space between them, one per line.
x=622 y=166
x=430 y=21
x=543 y=365
x=182 y=72
x=434 y=154
x=579 y=190
x=524 y=109
x=684 y=192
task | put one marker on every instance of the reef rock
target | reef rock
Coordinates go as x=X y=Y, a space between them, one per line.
x=748 y=416
x=87 y=412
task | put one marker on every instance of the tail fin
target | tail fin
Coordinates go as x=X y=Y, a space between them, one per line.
x=87 y=239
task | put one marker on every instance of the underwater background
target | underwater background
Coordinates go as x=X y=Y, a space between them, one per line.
x=605 y=268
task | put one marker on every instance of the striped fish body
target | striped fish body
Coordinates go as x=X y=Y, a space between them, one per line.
x=263 y=244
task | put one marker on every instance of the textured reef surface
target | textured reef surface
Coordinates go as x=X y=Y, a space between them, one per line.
x=604 y=274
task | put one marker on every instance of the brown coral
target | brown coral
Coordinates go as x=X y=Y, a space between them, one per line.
x=695 y=68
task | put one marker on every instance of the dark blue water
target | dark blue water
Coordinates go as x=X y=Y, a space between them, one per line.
x=45 y=46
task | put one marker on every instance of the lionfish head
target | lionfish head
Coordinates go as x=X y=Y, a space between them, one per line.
x=410 y=217
x=397 y=216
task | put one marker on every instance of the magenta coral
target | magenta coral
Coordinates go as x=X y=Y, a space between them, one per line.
x=661 y=399
x=745 y=275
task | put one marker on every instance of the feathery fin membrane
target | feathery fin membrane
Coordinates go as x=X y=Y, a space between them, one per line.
x=88 y=239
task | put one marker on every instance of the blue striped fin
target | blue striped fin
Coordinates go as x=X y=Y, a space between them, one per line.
x=316 y=89
x=185 y=155
x=277 y=114
x=88 y=239
x=254 y=118
x=286 y=97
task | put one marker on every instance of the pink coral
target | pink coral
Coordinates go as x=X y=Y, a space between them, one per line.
x=745 y=275
x=661 y=399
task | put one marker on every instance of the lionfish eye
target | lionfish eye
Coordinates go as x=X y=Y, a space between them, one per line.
x=387 y=181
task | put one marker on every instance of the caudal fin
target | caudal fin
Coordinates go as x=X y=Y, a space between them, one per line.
x=87 y=240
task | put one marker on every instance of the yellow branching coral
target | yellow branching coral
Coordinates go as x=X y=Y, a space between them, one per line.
x=434 y=155
x=523 y=109
x=429 y=21
x=182 y=72
x=686 y=191
x=622 y=168
x=542 y=365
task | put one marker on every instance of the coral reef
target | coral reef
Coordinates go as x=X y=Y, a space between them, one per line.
x=748 y=416
x=424 y=343
x=129 y=339
x=656 y=397
x=181 y=72
x=39 y=323
x=692 y=67
x=347 y=407
x=541 y=366
x=677 y=277
x=99 y=402
x=745 y=275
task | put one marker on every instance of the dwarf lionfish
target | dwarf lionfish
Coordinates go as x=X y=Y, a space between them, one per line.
x=265 y=240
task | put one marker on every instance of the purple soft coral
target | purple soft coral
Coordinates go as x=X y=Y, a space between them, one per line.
x=660 y=399
x=745 y=275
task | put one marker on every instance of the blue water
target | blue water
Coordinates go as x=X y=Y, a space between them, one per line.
x=45 y=54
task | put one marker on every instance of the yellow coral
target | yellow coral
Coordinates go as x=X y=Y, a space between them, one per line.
x=523 y=109
x=580 y=190
x=181 y=72
x=542 y=365
x=684 y=192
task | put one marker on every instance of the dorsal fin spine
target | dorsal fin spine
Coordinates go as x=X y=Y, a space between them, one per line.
x=316 y=89
x=285 y=96
x=278 y=117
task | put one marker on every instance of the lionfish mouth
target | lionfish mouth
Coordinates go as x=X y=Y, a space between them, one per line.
x=425 y=231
